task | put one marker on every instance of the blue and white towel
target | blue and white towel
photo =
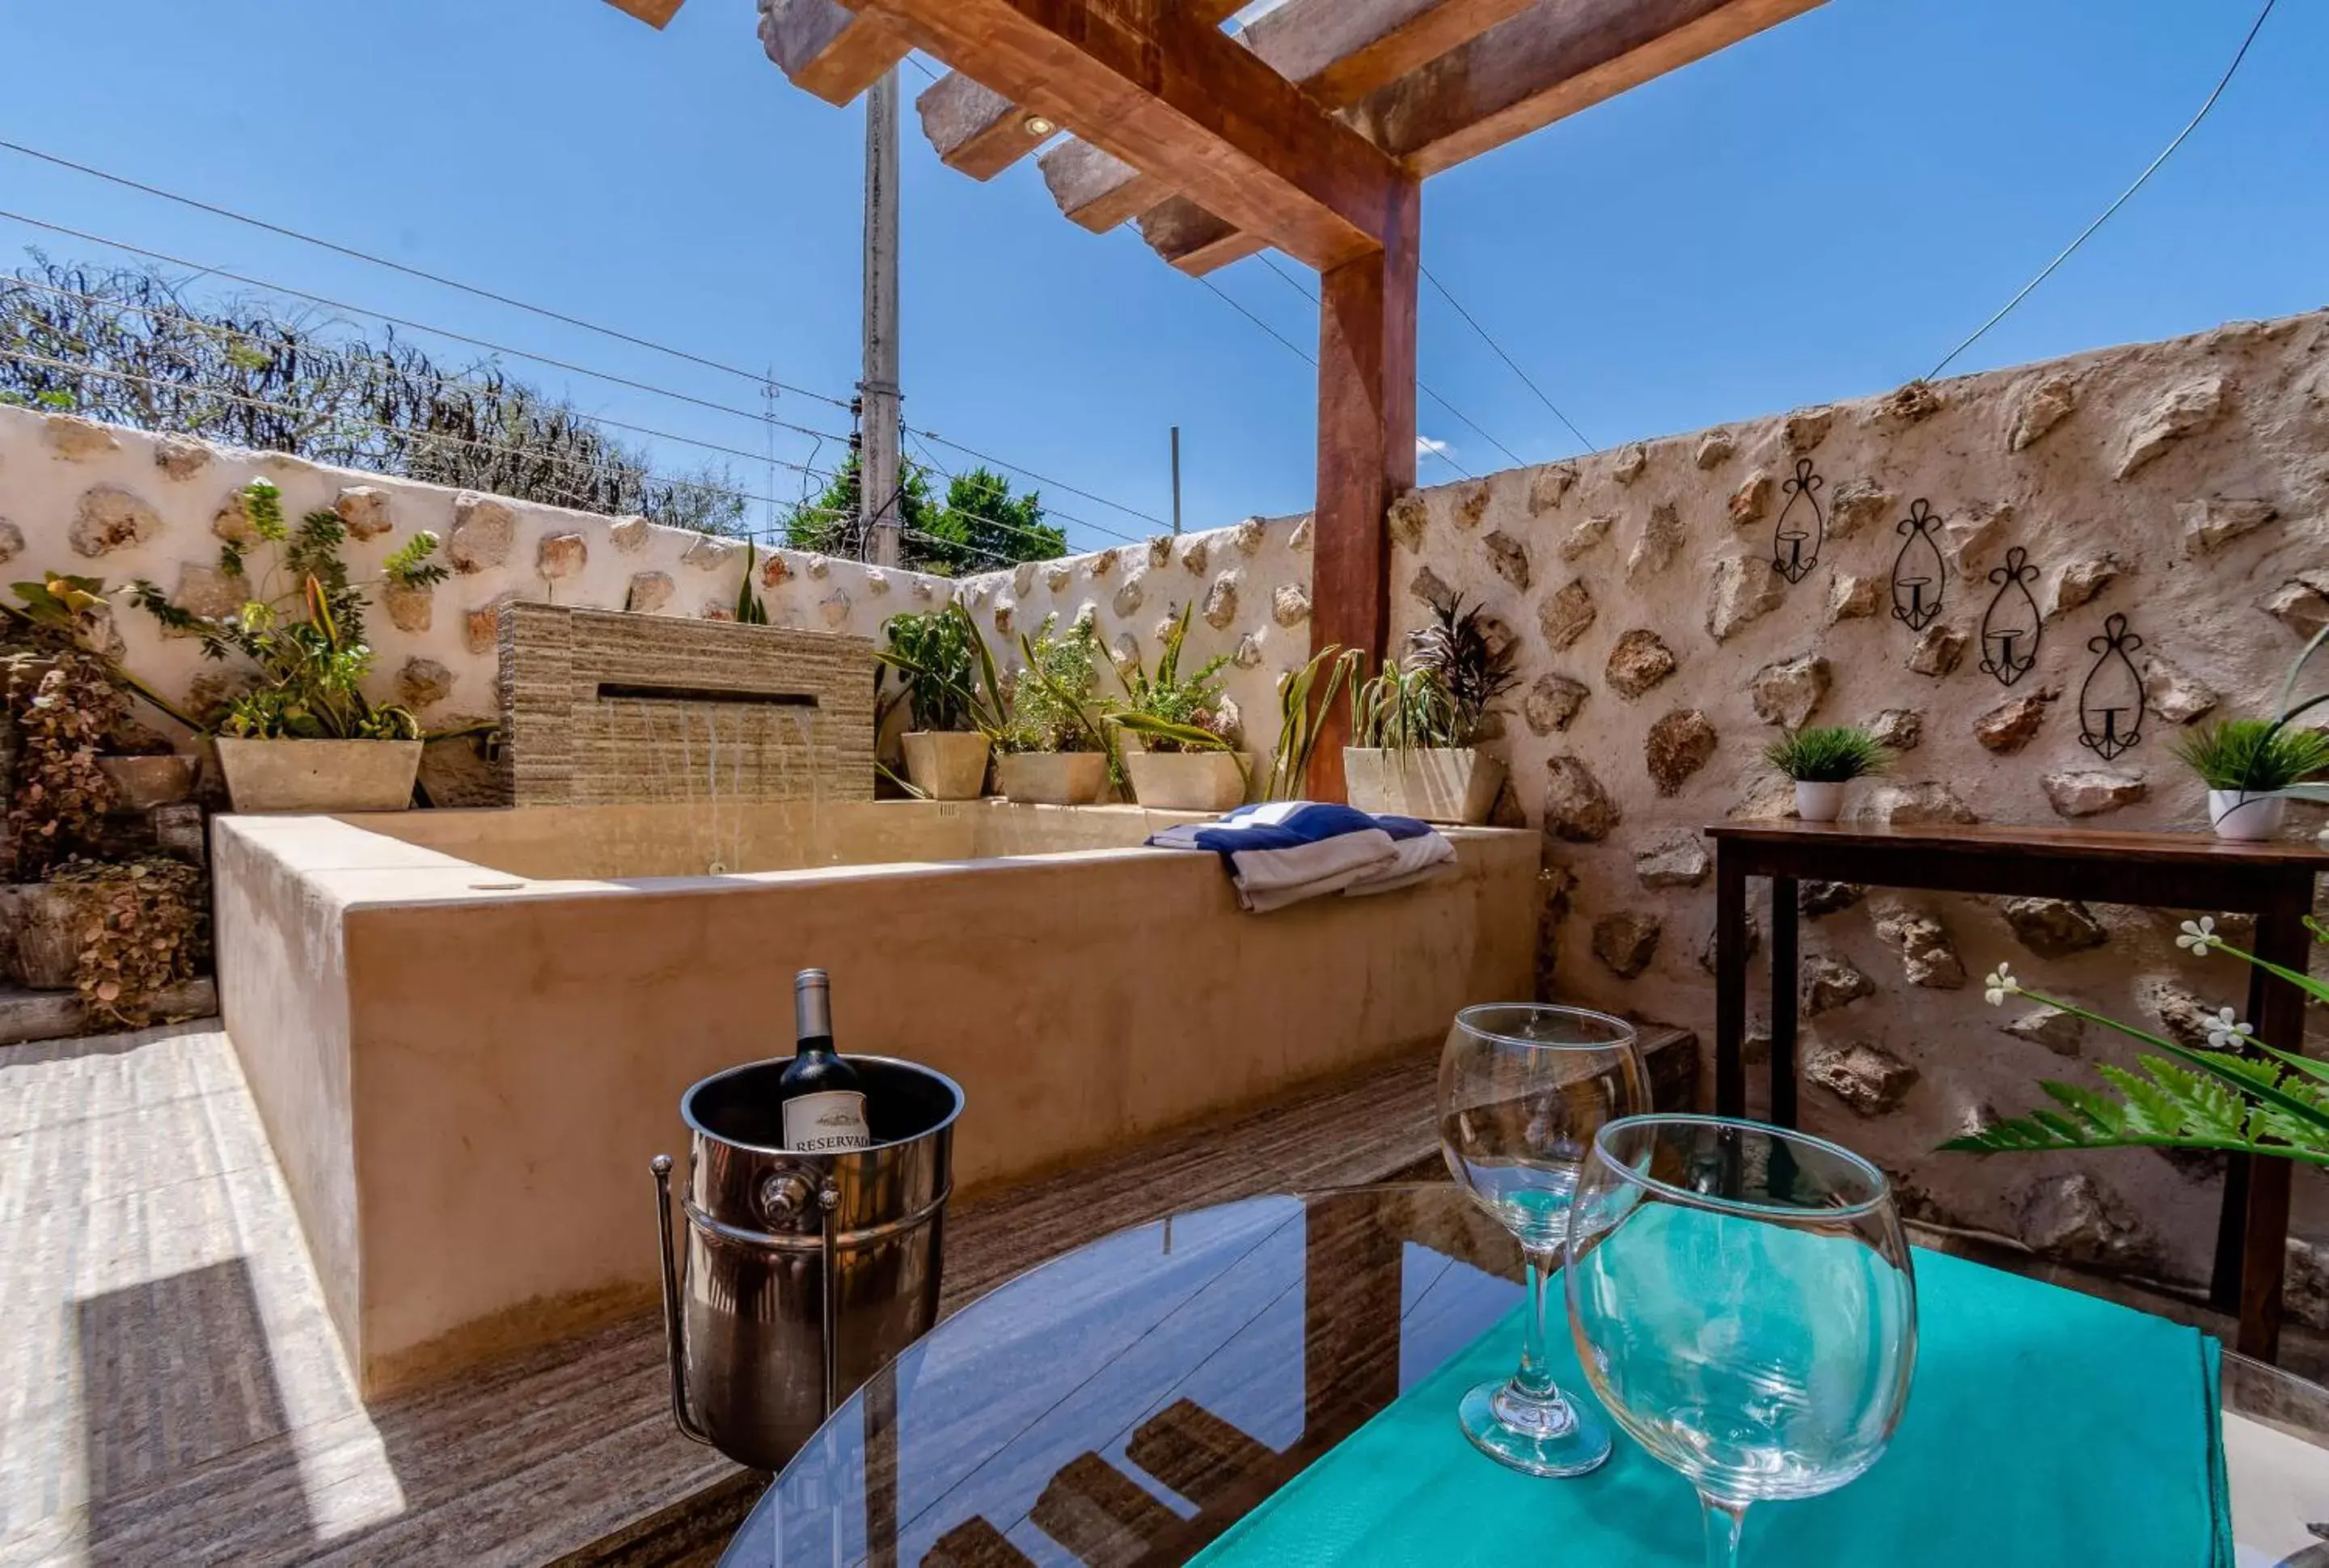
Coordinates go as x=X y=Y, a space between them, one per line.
x=1285 y=851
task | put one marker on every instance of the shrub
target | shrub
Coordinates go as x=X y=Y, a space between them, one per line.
x=2253 y=754
x=1834 y=755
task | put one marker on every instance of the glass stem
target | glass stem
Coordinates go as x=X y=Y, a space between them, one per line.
x=1723 y=1522
x=1536 y=1371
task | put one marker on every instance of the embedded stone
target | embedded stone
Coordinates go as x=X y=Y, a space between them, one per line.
x=1125 y=651
x=834 y=607
x=927 y=591
x=1867 y=1079
x=1744 y=589
x=180 y=457
x=1247 y=536
x=1003 y=611
x=1711 y=951
x=1927 y=958
x=481 y=627
x=1428 y=587
x=1829 y=983
x=76 y=439
x=12 y=540
x=649 y=591
x=709 y=554
x=2073 y=1219
x=1912 y=404
x=1289 y=604
x=1769 y=800
x=1508 y=558
x=716 y=609
x=1630 y=462
x=1586 y=534
x=2184 y=1015
x=1659 y=545
x=1100 y=565
x=1677 y=746
x=411 y=608
x=629 y=534
x=2053 y=928
x=2179 y=412
x=2173 y=694
x=1222 y=602
x=1548 y=485
x=1914 y=805
x=1750 y=503
x=1678 y=859
x=1022 y=578
x=1858 y=503
x=110 y=519
x=1851 y=598
x=1472 y=505
x=1165 y=625
x=2092 y=791
x=1939 y=651
x=1977 y=535
x=231 y=524
x=2042 y=404
x=1638 y=662
x=424 y=682
x=1129 y=593
x=1087 y=617
x=2300 y=605
x=1898 y=728
x=1299 y=540
x=482 y=529
x=1248 y=652
x=561 y=555
x=1193 y=556
x=1816 y=898
x=2061 y=1032
x=1626 y=941
x=207 y=591
x=1406 y=519
x=2082 y=579
x=1788 y=693
x=2007 y=728
x=1576 y=809
x=1562 y=618
x=1806 y=428
x=367 y=510
x=1160 y=550
x=1715 y=450
x=1552 y=702
x=1057 y=575
x=777 y=569
x=2210 y=524
x=820 y=567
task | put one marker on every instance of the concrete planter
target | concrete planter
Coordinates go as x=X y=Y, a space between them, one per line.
x=947 y=765
x=141 y=783
x=319 y=775
x=45 y=921
x=2246 y=818
x=1818 y=802
x=1185 y=780
x=1438 y=784
x=1052 y=777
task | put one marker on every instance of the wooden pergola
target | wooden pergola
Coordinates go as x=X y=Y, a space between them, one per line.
x=1310 y=131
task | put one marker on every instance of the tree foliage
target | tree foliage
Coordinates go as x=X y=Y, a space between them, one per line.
x=977 y=524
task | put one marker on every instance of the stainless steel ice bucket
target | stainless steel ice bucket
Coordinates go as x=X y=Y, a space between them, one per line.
x=804 y=1274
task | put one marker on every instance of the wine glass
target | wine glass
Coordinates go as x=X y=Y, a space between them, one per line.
x=1522 y=1089
x=1743 y=1304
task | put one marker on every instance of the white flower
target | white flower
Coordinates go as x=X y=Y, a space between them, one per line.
x=2224 y=1030
x=2198 y=935
x=2000 y=984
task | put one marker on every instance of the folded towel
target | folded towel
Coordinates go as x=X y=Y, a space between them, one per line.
x=1286 y=851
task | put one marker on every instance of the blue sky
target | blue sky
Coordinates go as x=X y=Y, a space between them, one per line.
x=1818 y=213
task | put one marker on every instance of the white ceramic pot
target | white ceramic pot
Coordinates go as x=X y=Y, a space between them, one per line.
x=1052 y=777
x=1455 y=784
x=1185 y=780
x=318 y=775
x=141 y=783
x=2244 y=818
x=947 y=765
x=1818 y=802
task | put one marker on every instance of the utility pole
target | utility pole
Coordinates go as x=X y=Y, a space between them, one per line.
x=878 y=491
x=1177 y=478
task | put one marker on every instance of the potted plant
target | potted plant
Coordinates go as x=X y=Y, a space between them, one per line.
x=1185 y=726
x=942 y=657
x=2246 y=763
x=303 y=737
x=1415 y=729
x=1304 y=697
x=1053 y=749
x=1822 y=761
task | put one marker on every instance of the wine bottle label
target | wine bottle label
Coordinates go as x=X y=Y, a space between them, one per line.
x=827 y=1123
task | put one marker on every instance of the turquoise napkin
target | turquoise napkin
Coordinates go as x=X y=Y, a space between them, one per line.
x=2044 y=1428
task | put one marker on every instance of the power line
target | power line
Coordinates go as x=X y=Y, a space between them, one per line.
x=2124 y=196
x=1308 y=357
x=1042 y=480
x=1512 y=363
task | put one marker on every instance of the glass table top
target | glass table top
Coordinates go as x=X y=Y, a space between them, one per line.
x=1130 y=1400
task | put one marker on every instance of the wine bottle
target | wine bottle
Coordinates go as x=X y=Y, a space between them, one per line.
x=824 y=1105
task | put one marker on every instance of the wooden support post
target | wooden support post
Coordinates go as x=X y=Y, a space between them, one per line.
x=1366 y=453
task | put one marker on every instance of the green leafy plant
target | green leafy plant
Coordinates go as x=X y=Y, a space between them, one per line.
x=1404 y=709
x=1304 y=697
x=750 y=608
x=2255 y=755
x=949 y=672
x=1051 y=695
x=1836 y=754
x=1472 y=667
x=1171 y=711
x=142 y=929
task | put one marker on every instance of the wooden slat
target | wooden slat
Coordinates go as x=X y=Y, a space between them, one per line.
x=1100 y=1514
x=1096 y=190
x=1194 y=1451
x=827 y=48
x=653 y=12
x=1181 y=101
x=1193 y=239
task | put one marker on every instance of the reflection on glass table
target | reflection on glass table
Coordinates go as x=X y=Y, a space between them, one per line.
x=1131 y=1400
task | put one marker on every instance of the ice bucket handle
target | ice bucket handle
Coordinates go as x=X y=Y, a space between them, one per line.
x=673 y=1333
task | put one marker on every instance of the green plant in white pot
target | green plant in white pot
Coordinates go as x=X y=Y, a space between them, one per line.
x=302 y=736
x=1184 y=728
x=2246 y=764
x=1821 y=762
x=1053 y=751
x=1415 y=728
x=950 y=695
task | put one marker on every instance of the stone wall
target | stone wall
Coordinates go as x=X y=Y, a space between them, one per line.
x=2184 y=485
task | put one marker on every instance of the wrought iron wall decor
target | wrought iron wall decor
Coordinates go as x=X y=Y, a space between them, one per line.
x=2110 y=699
x=1802 y=528
x=1920 y=573
x=2010 y=627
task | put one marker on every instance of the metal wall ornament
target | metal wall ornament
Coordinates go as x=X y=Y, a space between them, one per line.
x=1802 y=528
x=2110 y=699
x=1919 y=572
x=2012 y=628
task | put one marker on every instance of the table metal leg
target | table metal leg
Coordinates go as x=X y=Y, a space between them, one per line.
x=1784 y=980
x=2277 y=1010
x=1730 y=983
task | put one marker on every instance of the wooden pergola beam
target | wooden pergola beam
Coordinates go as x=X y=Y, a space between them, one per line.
x=1096 y=190
x=1177 y=99
x=1192 y=239
x=653 y=12
x=825 y=48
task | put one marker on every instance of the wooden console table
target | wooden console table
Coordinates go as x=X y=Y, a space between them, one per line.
x=2180 y=871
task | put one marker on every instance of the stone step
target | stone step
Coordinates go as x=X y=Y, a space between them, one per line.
x=28 y=1015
